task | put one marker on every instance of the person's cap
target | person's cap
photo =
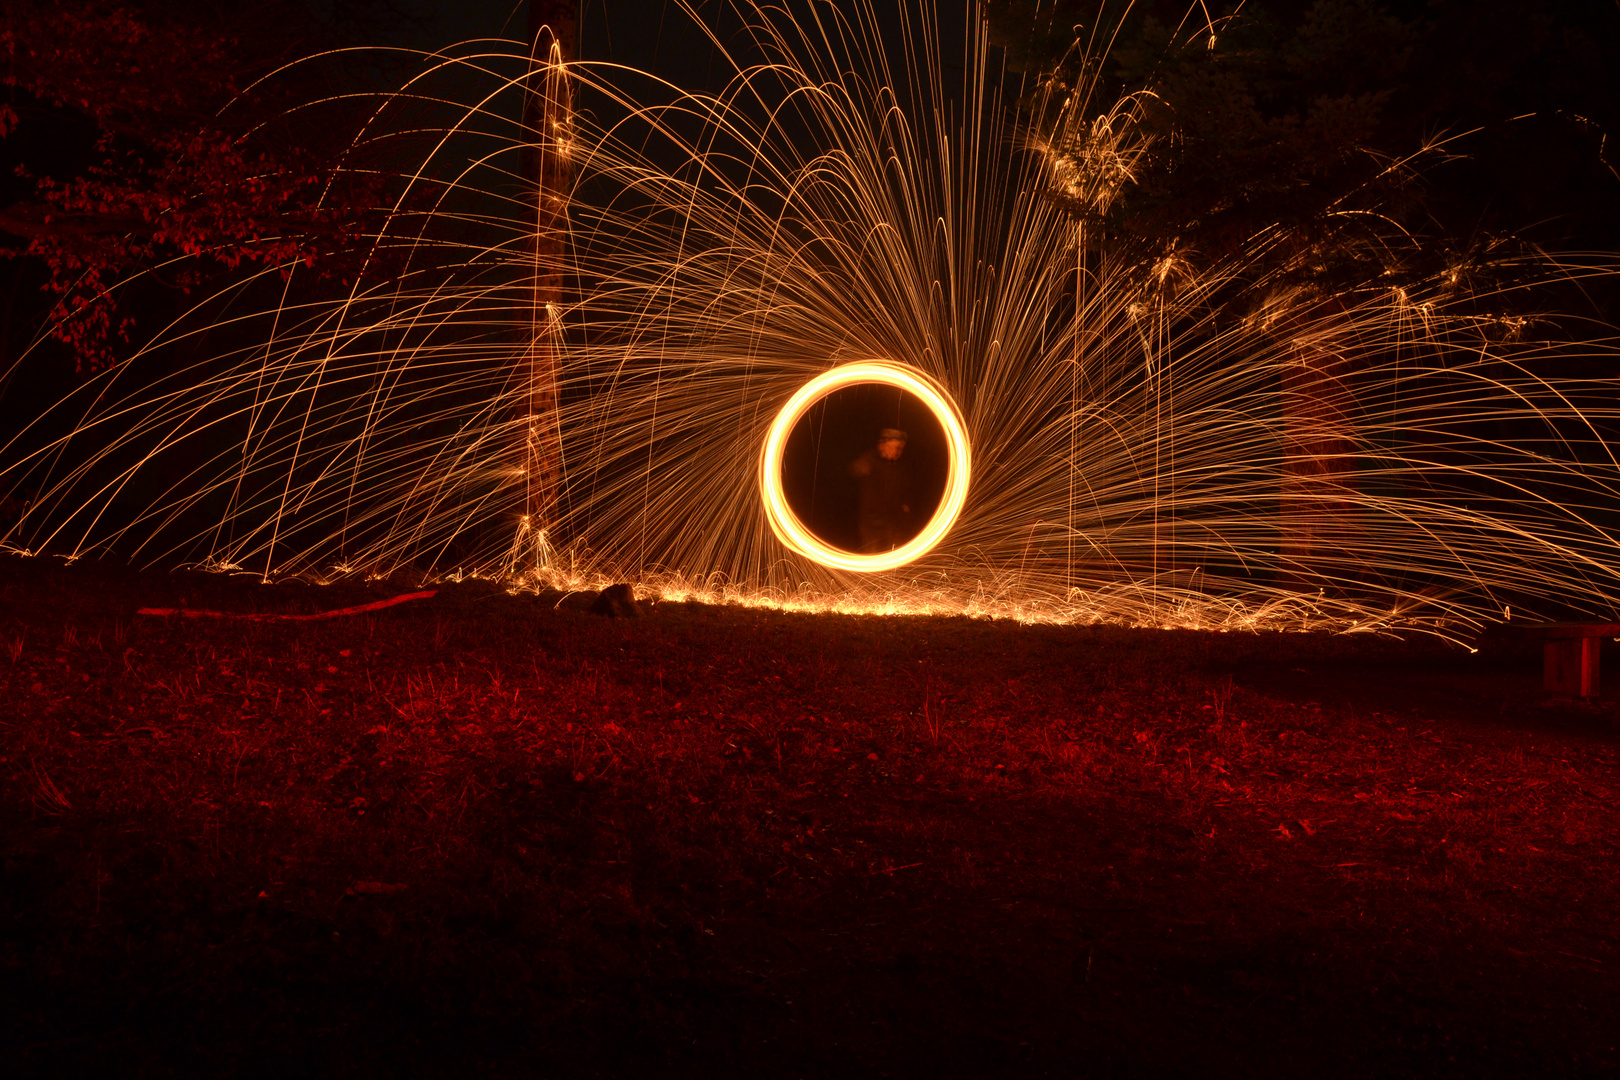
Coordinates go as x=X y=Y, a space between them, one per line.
x=891 y=434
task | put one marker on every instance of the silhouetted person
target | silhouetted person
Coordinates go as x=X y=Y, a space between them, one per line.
x=886 y=494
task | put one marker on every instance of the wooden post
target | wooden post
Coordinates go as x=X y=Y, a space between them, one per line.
x=1570 y=666
x=1570 y=652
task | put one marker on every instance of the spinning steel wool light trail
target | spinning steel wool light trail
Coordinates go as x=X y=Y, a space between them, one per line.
x=792 y=532
x=1142 y=447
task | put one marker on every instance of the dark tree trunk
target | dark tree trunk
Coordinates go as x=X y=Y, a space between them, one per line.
x=1319 y=447
x=548 y=114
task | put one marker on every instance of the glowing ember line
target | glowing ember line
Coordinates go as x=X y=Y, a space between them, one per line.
x=375 y=605
x=786 y=524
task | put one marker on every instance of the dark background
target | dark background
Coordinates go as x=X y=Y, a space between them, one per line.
x=1530 y=86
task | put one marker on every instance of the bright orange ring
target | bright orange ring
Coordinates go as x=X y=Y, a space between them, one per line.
x=786 y=524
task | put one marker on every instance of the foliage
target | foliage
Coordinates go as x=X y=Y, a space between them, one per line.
x=1350 y=127
x=154 y=150
x=1254 y=125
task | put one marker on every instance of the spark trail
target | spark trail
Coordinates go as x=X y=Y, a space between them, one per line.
x=1144 y=448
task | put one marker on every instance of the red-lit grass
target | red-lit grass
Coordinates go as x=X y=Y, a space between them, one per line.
x=488 y=832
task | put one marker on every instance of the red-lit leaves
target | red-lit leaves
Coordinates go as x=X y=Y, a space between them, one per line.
x=176 y=183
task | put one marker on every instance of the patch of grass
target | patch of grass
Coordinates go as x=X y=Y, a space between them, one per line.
x=491 y=832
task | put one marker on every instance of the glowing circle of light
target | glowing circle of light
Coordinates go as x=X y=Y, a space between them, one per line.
x=786 y=524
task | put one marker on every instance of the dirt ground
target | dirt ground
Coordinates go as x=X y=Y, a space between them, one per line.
x=482 y=834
